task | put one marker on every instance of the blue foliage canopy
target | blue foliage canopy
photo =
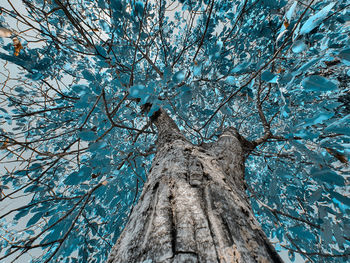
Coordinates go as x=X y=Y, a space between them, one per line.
x=77 y=143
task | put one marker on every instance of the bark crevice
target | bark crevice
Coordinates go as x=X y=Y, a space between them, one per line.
x=207 y=206
x=152 y=209
x=173 y=225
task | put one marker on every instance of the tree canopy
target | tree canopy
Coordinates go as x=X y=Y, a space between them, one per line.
x=81 y=80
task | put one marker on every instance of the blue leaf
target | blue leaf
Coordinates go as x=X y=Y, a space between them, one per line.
x=85 y=172
x=338 y=232
x=268 y=77
x=167 y=73
x=291 y=11
x=87 y=136
x=318 y=83
x=20 y=172
x=179 y=76
x=42 y=64
x=72 y=179
x=97 y=146
x=102 y=51
x=310 y=154
x=306 y=66
x=139 y=6
x=116 y=5
x=315 y=196
x=326 y=232
x=319 y=118
x=339 y=130
x=341 y=126
x=231 y=80
x=3 y=110
x=32 y=188
x=78 y=177
x=291 y=255
x=54 y=234
x=88 y=75
x=316 y=19
x=300 y=232
x=328 y=176
x=197 y=69
x=273 y=3
x=345 y=54
x=35 y=219
x=80 y=89
x=101 y=4
x=186 y=95
x=345 y=200
x=35 y=76
x=137 y=91
x=241 y=68
x=299 y=46
x=21 y=214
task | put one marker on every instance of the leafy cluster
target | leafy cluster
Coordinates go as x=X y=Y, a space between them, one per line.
x=76 y=140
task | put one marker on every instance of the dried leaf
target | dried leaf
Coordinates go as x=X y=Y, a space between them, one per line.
x=286 y=24
x=280 y=70
x=18 y=46
x=4 y=144
x=105 y=182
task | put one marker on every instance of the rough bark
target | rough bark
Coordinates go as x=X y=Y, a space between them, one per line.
x=193 y=207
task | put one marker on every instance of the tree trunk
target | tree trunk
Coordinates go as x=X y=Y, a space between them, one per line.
x=193 y=207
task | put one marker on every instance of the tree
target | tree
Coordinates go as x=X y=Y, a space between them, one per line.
x=219 y=111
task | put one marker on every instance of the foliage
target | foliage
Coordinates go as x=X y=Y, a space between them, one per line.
x=78 y=140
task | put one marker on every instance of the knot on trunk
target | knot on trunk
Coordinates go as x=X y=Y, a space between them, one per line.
x=195 y=170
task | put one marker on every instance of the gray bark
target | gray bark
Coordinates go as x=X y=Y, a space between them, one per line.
x=193 y=207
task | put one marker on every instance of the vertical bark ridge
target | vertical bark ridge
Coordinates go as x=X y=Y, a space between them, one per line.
x=149 y=223
x=214 y=229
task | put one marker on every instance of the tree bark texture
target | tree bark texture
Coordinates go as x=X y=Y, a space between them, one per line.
x=193 y=207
